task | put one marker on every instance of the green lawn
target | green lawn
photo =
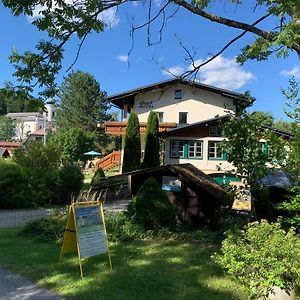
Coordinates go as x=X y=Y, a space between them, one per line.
x=155 y=269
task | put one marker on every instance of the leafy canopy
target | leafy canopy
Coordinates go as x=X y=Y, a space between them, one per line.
x=63 y=20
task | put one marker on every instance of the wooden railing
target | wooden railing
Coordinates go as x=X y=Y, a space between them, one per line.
x=109 y=161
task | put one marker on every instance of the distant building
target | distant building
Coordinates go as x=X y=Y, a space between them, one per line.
x=34 y=123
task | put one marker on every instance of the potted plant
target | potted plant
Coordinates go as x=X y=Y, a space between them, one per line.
x=264 y=258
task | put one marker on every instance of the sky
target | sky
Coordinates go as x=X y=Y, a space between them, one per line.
x=106 y=55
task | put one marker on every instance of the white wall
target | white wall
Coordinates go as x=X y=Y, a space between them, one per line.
x=199 y=104
x=205 y=165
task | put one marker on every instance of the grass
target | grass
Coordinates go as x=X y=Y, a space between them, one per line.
x=153 y=269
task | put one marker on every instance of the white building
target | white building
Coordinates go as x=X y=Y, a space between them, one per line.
x=28 y=123
x=189 y=114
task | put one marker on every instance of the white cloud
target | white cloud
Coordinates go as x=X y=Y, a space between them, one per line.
x=294 y=72
x=224 y=73
x=123 y=58
x=173 y=71
x=221 y=72
x=109 y=17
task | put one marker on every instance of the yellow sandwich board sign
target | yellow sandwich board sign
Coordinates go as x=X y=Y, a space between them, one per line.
x=85 y=232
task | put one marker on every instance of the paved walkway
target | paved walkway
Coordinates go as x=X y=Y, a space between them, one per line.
x=17 y=287
x=19 y=217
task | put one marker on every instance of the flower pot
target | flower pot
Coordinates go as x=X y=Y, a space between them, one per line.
x=280 y=294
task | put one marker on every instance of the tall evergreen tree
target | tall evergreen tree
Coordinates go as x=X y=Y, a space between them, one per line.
x=132 y=149
x=151 y=157
x=83 y=105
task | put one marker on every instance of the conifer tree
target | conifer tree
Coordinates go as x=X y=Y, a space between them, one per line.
x=151 y=157
x=132 y=149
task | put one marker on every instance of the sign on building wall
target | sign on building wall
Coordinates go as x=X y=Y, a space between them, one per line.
x=171 y=184
x=85 y=232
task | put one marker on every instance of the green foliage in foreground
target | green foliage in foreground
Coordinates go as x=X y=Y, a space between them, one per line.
x=151 y=207
x=262 y=256
x=98 y=177
x=153 y=269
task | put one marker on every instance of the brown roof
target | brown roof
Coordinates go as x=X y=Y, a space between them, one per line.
x=5 y=144
x=128 y=96
x=39 y=132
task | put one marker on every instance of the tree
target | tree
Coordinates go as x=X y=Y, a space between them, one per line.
x=132 y=148
x=151 y=155
x=7 y=128
x=263 y=118
x=40 y=164
x=73 y=142
x=64 y=19
x=83 y=105
x=18 y=100
x=251 y=157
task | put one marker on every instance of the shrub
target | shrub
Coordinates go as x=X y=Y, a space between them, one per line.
x=47 y=229
x=98 y=176
x=151 y=207
x=14 y=191
x=40 y=165
x=262 y=256
x=121 y=228
x=70 y=183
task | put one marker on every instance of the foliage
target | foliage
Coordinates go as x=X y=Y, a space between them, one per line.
x=18 y=100
x=66 y=19
x=14 y=191
x=291 y=163
x=60 y=21
x=83 y=105
x=151 y=206
x=245 y=148
x=98 y=176
x=292 y=95
x=292 y=207
x=73 y=142
x=40 y=165
x=122 y=228
x=263 y=118
x=47 y=229
x=132 y=148
x=262 y=256
x=70 y=182
x=7 y=128
x=151 y=155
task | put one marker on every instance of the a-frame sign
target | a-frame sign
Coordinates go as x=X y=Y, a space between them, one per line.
x=85 y=232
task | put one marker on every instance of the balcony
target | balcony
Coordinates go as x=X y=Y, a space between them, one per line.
x=119 y=128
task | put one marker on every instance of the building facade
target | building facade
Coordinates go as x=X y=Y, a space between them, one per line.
x=189 y=115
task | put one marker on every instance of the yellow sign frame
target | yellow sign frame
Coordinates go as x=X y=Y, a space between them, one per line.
x=70 y=240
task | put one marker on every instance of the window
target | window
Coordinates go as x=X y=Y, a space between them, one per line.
x=183 y=117
x=264 y=148
x=177 y=149
x=214 y=131
x=195 y=149
x=185 y=149
x=160 y=116
x=215 y=151
x=178 y=94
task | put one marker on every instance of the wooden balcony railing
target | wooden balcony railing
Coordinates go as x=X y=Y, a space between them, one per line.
x=109 y=161
x=119 y=128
